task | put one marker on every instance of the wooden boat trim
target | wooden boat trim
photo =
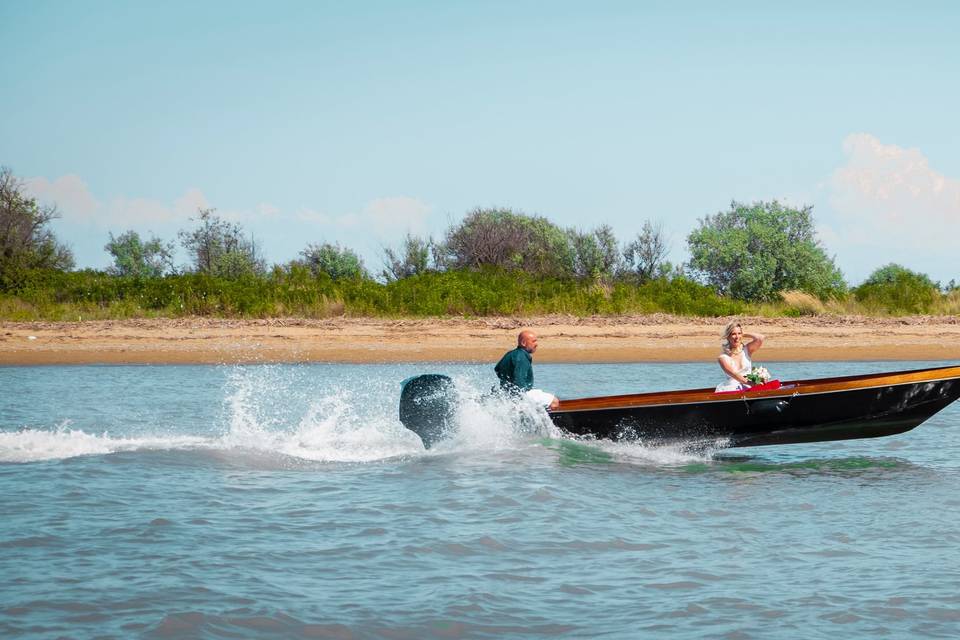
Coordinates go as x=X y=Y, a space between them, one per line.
x=789 y=389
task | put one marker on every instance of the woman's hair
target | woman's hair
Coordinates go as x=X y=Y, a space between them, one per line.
x=725 y=343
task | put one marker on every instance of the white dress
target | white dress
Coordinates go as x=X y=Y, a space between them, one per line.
x=732 y=384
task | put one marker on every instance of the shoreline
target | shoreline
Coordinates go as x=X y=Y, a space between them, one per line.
x=564 y=339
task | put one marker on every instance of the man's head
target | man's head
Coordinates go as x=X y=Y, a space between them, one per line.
x=527 y=340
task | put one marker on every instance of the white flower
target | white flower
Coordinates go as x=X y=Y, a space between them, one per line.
x=758 y=375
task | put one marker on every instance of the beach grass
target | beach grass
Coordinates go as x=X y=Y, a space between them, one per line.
x=93 y=295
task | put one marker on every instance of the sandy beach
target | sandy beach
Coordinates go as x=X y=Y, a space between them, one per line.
x=562 y=339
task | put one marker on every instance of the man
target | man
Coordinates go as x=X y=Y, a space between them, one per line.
x=515 y=371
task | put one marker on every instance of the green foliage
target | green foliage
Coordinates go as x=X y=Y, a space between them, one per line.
x=596 y=255
x=333 y=261
x=496 y=262
x=754 y=252
x=898 y=290
x=646 y=255
x=219 y=249
x=893 y=273
x=509 y=240
x=137 y=258
x=26 y=241
x=412 y=258
x=491 y=291
x=295 y=290
x=65 y=295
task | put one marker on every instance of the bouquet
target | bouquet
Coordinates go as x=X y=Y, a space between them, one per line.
x=758 y=375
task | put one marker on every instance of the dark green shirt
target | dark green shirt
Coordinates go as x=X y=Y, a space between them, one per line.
x=515 y=370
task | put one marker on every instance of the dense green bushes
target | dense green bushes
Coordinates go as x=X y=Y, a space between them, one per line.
x=898 y=290
x=297 y=292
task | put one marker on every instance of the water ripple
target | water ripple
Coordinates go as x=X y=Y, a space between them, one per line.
x=287 y=502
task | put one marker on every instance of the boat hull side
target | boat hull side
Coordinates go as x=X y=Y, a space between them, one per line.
x=783 y=419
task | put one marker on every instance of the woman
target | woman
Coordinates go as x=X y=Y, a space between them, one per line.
x=735 y=360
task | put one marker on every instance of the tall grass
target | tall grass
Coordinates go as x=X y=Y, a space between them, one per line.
x=96 y=295
x=89 y=295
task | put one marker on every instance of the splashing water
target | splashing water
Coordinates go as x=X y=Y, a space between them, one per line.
x=34 y=445
x=299 y=412
x=240 y=501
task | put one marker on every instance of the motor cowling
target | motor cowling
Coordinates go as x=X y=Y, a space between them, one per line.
x=428 y=406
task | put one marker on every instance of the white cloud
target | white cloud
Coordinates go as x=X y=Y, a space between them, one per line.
x=86 y=218
x=888 y=196
x=189 y=203
x=78 y=205
x=69 y=193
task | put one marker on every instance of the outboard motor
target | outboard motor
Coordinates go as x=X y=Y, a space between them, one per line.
x=428 y=406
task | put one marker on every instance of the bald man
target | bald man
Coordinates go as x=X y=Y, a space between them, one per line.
x=515 y=371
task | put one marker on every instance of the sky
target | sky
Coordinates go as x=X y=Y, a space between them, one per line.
x=359 y=122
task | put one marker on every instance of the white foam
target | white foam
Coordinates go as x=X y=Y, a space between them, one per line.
x=359 y=423
x=333 y=431
x=637 y=452
x=33 y=445
x=488 y=422
x=342 y=425
x=278 y=412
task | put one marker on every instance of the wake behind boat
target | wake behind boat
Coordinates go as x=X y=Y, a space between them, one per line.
x=816 y=410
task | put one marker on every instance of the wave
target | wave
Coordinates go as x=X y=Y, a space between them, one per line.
x=36 y=445
x=280 y=412
x=639 y=453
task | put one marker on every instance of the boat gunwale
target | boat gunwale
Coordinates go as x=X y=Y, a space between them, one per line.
x=789 y=388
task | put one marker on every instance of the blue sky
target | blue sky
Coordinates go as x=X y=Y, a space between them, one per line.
x=355 y=123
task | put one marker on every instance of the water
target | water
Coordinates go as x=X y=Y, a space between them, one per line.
x=288 y=501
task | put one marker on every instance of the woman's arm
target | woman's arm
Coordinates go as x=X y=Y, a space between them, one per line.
x=726 y=363
x=756 y=341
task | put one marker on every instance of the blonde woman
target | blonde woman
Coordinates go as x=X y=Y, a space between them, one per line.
x=735 y=359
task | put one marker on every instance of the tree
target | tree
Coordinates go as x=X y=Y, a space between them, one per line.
x=26 y=241
x=337 y=262
x=646 y=255
x=596 y=255
x=893 y=273
x=508 y=240
x=753 y=252
x=411 y=258
x=897 y=289
x=218 y=248
x=134 y=257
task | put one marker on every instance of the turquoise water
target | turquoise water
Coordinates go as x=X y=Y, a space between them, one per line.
x=288 y=501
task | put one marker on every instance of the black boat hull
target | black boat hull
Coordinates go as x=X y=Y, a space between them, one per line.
x=845 y=408
x=786 y=418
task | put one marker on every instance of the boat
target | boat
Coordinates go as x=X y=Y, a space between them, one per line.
x=797 y=411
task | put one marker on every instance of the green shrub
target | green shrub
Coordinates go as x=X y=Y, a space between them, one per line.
x=897 y=290
x=295 y=291
x=754 y=252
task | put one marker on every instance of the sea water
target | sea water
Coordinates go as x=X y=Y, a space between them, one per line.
x=288 y=501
